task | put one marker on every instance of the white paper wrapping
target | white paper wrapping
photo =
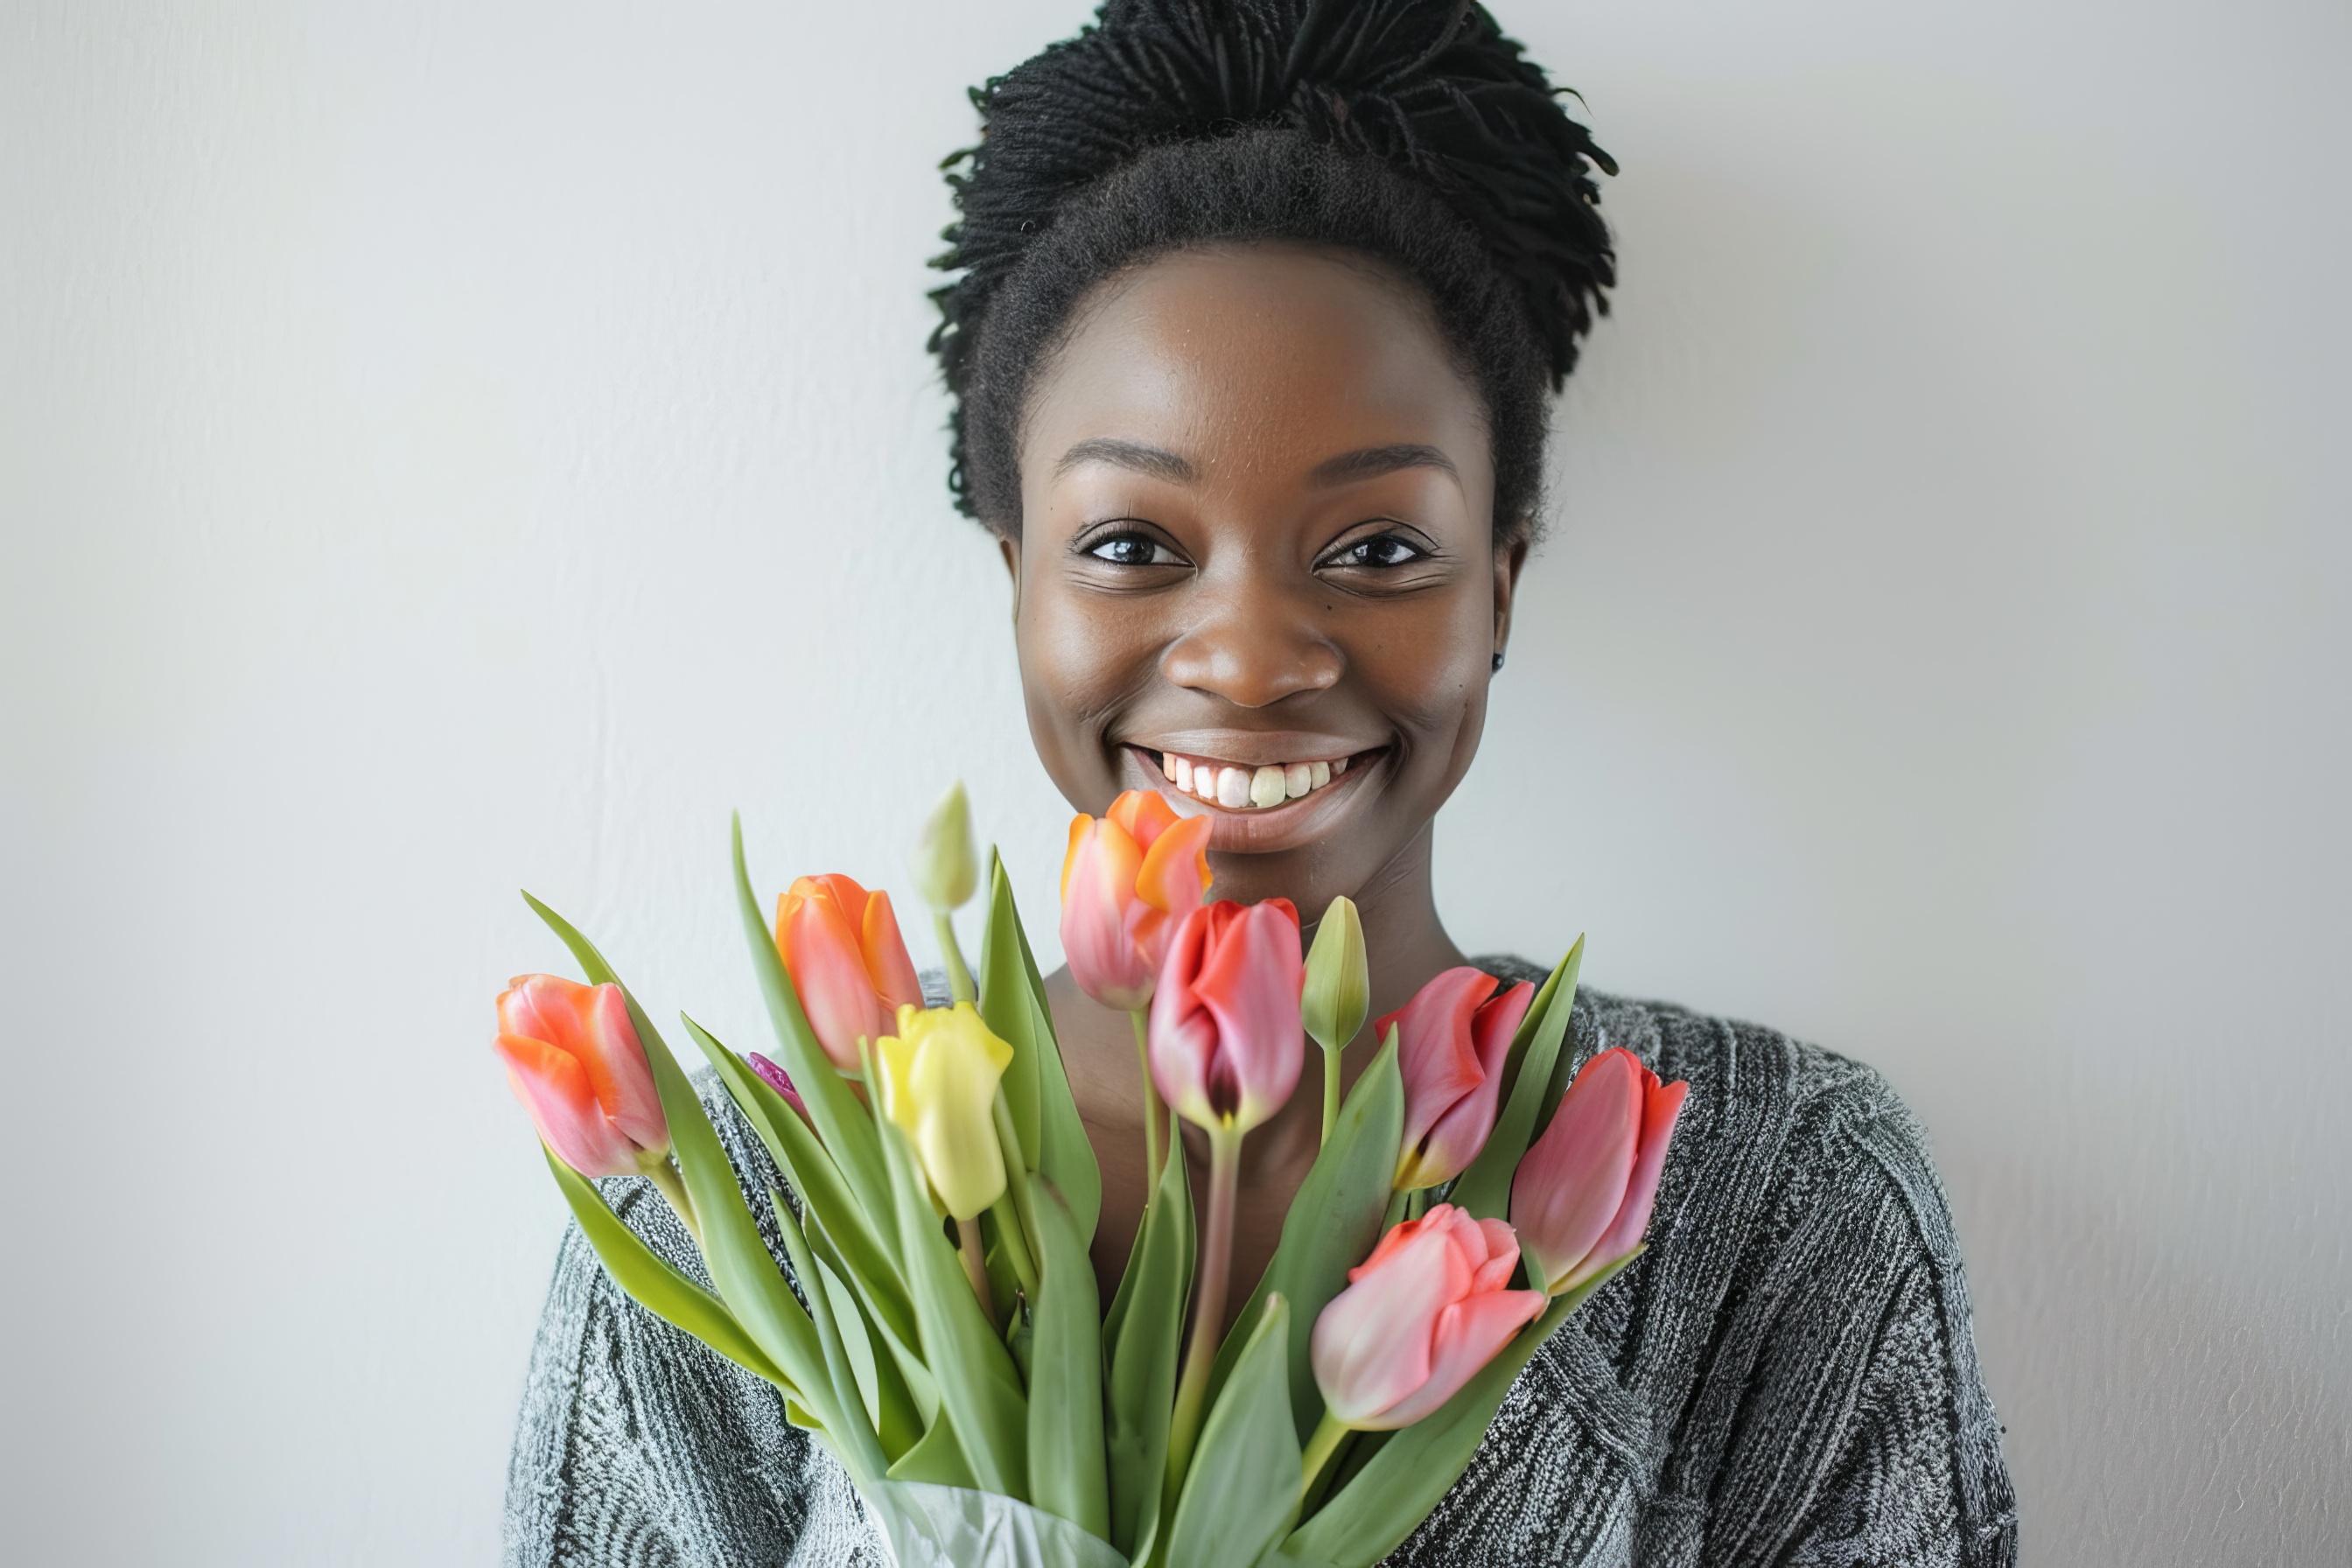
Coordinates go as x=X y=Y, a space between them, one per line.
x=947 y=1527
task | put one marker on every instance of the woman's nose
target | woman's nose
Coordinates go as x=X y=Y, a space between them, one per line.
x=1253 y=646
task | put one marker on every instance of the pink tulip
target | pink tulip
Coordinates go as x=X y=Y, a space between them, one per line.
x=841 y=945
x=1451 y=1042
x=780 y=1080
x=1226 y=1038
x=1127 y=881
x=1582 y=1195
x=1419 y=1317
x=573 y=1059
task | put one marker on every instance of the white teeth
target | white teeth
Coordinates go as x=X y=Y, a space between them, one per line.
x=1258 y=788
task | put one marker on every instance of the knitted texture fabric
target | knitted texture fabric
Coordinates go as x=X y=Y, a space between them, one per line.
x=1786 y=1377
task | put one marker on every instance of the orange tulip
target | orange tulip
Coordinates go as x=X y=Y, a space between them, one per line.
x=573 y=1059
x=1127 y=881
x=841 y=945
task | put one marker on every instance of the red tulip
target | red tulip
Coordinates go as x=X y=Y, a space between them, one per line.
x=1581 y=1198
x=1128 y=881
x=573 y=1059
x=1225 y=1038
x=842 y=947
x=1451 y=1042
x=1419 y=1317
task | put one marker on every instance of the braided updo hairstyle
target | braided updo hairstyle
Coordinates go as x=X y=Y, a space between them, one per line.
x=1410 y=132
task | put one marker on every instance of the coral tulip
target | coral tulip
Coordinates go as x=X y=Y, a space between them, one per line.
x=573 y=1059
x=1583 y=1195
x=939 y=1074
x=1127 y=881
x=1451 y=1042
x=1419 y=1317
x=842 y=947
x=1226 y=1040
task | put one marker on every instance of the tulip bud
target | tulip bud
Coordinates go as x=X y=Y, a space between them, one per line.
x=1429 y=1308
x=574 y=1061
x=1582 y=1195
x=1128 y=881
x=939 y=1074
x=849 y=964
x=1225 y=1039
x=1452 y=1043
x=946 y=871
x=777 y=1078
x=1338 y=991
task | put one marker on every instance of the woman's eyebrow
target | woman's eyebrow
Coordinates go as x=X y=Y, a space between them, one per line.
x=1372 y=462
x=1156 y=461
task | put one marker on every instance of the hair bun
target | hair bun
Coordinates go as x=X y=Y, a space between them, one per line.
x=1431 y=88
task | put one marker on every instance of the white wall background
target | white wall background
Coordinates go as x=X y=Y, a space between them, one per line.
x=450 y=446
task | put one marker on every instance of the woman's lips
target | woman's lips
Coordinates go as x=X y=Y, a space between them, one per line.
x=1260 y=829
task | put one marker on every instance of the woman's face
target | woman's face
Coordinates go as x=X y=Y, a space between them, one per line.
x=1257 y=553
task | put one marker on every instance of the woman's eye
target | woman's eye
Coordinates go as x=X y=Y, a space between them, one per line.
x=1133 y=550
x=1383 y=550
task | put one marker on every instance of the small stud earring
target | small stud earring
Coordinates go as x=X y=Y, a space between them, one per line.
x=1498 y=664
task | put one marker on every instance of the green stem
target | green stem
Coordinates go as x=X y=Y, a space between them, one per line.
x=1208 y=1303
x=1017 y=1180
x=672 y=1185
x=1328 y=1435
x=975 y=1266
x=1416 y=1202
x=1016 y=1246
x=1330 y=1092
x=960 y=986
x=1153 y=1112
x=1395 y=1212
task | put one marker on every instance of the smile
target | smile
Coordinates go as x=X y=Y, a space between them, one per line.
x=1238 y=787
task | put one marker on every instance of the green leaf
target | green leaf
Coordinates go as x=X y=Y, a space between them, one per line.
x=861 y=1450
x=840 y=1121
x=1144 y=1337
x=937 y=1459
x=1333 y=1225
x=869 y=1256
x=1065 y=1378
x=1386 y=1500
x=747 y=1277
x=1485 y=1189
x=1242 y=1492
x=653 y=1283
x=1013 y=1002
x=902 y=1368
x=979 y=1390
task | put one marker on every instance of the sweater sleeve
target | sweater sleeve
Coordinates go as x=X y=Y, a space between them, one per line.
x=637 y=1445
x=1862 y=1433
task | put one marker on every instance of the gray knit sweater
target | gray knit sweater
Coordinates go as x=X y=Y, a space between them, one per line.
x=1786 y=1377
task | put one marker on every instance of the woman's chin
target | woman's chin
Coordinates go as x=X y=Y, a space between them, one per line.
x=1274 y=829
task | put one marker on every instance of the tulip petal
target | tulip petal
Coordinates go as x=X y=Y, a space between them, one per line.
x=820 y=948
x=1371 y=1345
x=553 y=1086
x=1144 y=815
x=617 y=1069
x=1175 y=876
x=1662 y=1104
x=1468 y=1334
x=886 y=963
x=1250 y=983
x=1098 y=898
x=1572 y=1182
x=1435 y=1051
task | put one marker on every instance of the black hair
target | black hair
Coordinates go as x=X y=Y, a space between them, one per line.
x=1410 y=132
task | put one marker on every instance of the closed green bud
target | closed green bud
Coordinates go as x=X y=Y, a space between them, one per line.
x=1338 y=982
x=947 y=873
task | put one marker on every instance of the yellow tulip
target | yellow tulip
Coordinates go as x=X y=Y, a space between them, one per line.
x=938 y=1077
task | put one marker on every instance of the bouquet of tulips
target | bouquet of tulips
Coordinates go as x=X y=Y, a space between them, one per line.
x=936 y=1322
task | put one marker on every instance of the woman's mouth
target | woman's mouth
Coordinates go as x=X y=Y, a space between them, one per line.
x=1240 y=786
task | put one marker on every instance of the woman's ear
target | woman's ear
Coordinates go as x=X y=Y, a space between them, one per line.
x=1009 y=548
x=1509 y=557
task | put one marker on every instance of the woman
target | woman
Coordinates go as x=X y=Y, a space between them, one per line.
x=1258 y=311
